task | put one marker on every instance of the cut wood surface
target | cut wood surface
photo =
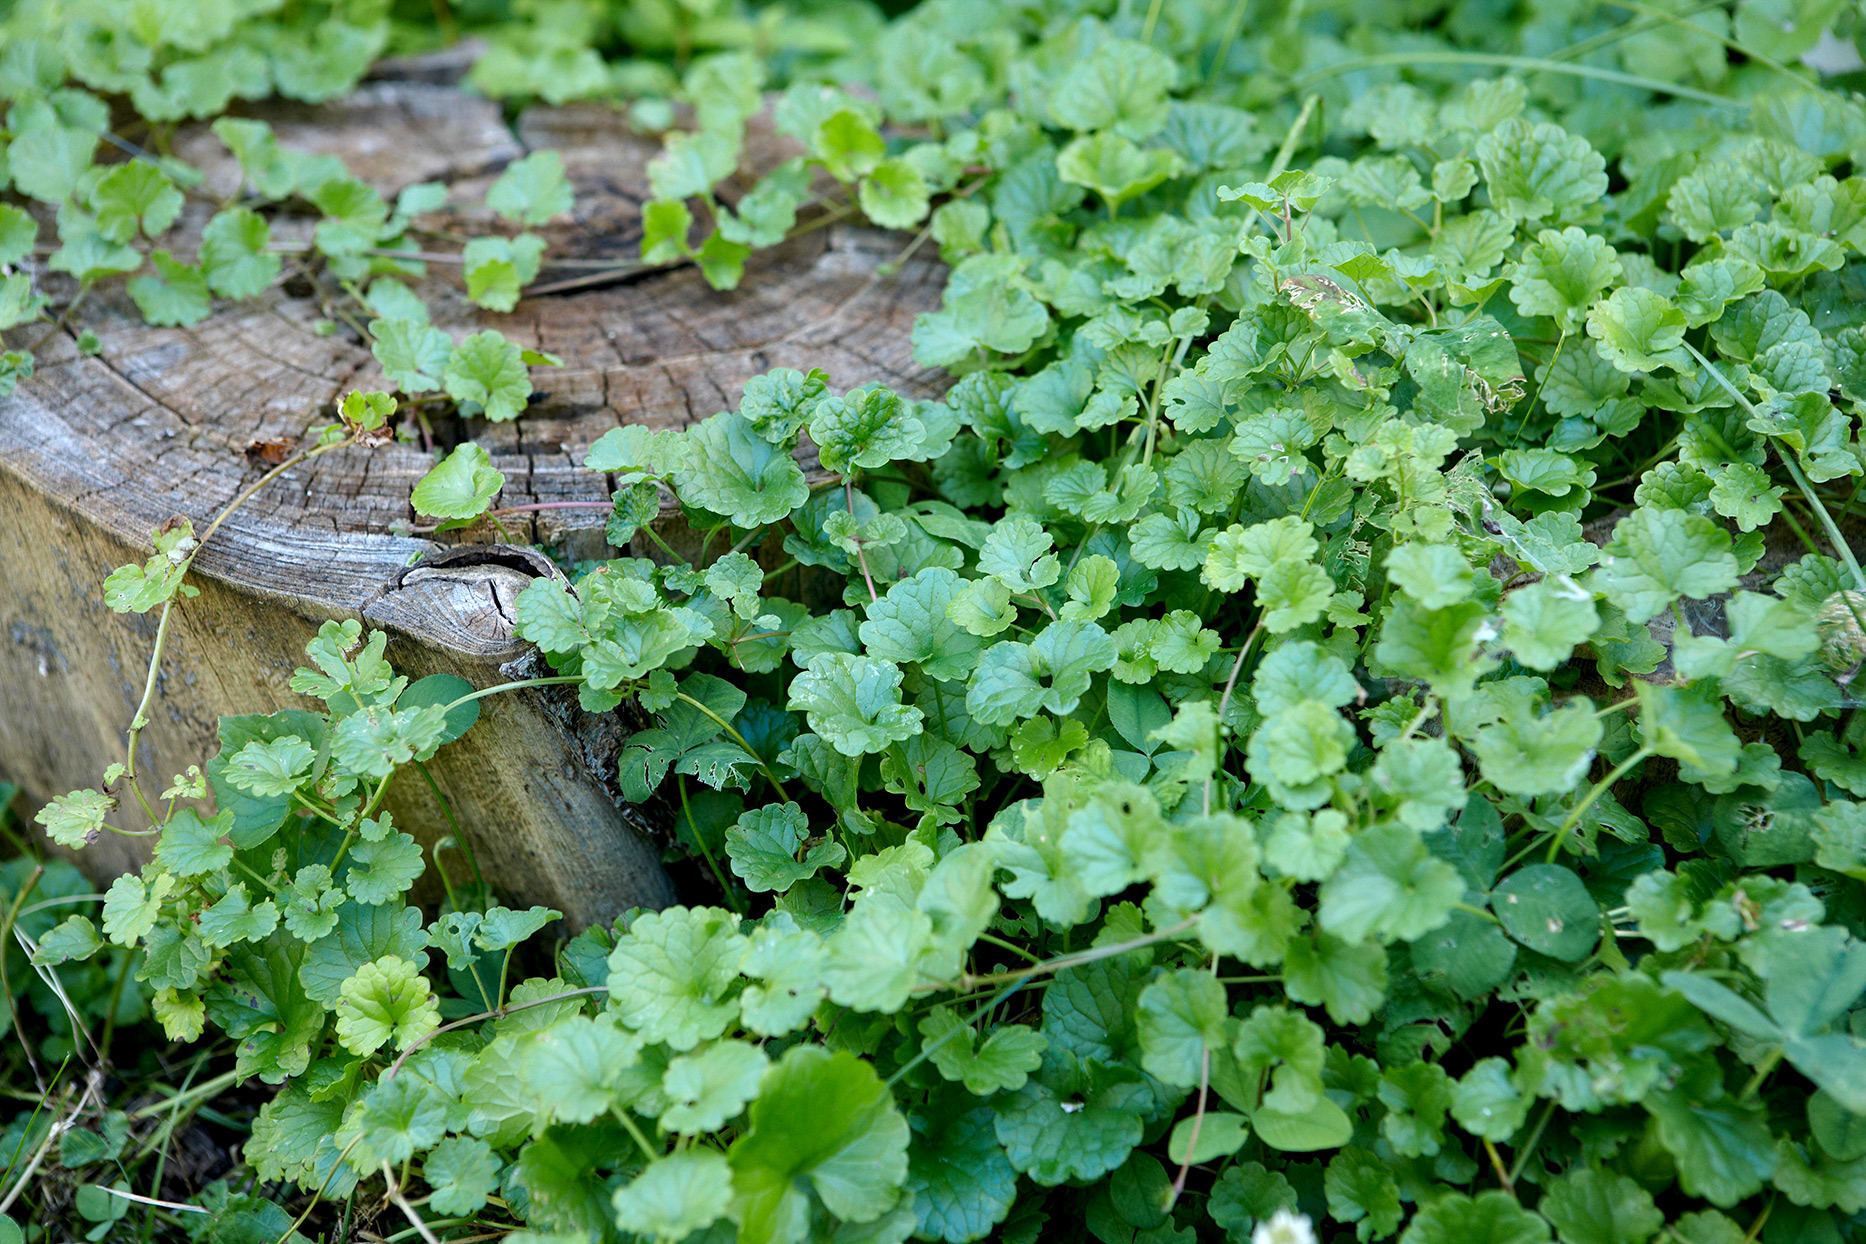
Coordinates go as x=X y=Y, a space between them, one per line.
x=97 y=450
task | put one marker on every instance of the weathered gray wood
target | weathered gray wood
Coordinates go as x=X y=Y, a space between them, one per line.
x=95 y=451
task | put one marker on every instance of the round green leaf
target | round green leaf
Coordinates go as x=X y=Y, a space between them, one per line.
x=1218 y=1134
x=1547 y=908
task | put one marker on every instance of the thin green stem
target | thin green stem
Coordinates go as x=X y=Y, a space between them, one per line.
x=931 y=1047
x=1692 y=28
x=1496 y=1164
x=1755 y=1228
x=207 y=1088
x=505 y=969
x=740 y=740
x=1794 y=472
x=116 y=1000
x=6 y=986
x=1419 y=719
x=140 y=719
x=319 y=1194
x=447 y=810
x=848 y=501
x=158 y=1141
x=623 y=1117
x=43 y=1100
x=495 y=1013
x=243 y=866
x=1607 y=38
x=1287 y=151
x=1547 y=372
x=1153 y=20
x=1198 y=1123
x=1013 y=947
x=518 y=685
x=393 y=1190
x=968 y=982
x=706 y=852
x=652 y=534
x=1587 y=801
x=375 y=800
x=1234 y=21
x=1801 y=533
x=1827 y=520
x=1224 y=700
x=1529 y=1145
x=1768 y=1064
x=1534 y=64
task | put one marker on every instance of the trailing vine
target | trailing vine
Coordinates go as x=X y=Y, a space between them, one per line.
x=1339 y=722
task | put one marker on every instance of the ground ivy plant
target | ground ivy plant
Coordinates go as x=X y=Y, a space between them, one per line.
x=1337 y=725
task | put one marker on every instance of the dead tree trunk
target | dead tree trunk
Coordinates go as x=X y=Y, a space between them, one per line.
x=95 y=450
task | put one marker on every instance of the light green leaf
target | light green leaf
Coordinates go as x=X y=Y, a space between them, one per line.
x=413 y=354
x=676 y=1196
x=670 y=975
x=1548 y=909
x=735 y=472
x=707 y=1088
x=822 y=1117
x=75 y=820
x=854 y=702
x=234 y=255
x=75 y=938
x=574 y=1069
x=462 y=1172
x=132 y=905
x=1389 y=887
x=460 y=486
x=532 y=190
x=132 y=196
x=177 y=295
x=234 y=919
x=763 y=846
x=1001 y=1063
x=1182 y=1015
x=385 y=1001
x=1657 y=555
x=1638 y=330
x=1599 y=1207
x=487 y=371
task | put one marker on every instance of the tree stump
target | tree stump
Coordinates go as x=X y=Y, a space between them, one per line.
x=97 y=450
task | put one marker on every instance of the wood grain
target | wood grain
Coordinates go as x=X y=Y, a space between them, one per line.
x=97 y=450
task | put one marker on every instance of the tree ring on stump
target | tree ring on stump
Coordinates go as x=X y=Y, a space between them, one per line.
x=98 y=449
x=471 y=592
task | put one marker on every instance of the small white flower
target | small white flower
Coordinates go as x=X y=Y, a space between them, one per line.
x=1284 y=1227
